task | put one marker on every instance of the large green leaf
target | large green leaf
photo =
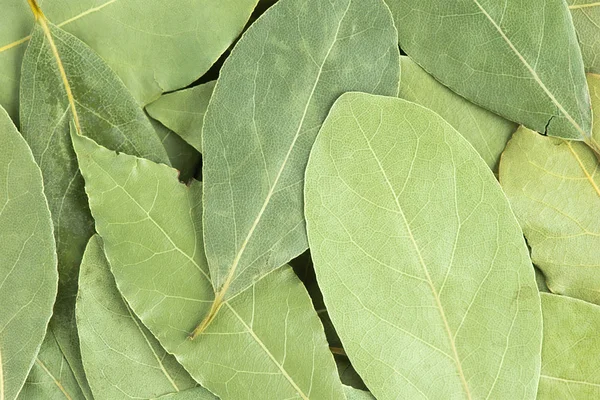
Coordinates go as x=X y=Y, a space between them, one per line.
x=553 y=187
x=183 y=112
x=28 y=274
x=64 y=81
x=586 y=18
x=267 y=339
x=271 y=98
x=570 y=361
x=486 y=131
x=153 y=45
x=51 y=377
x=519 y=59
x=122 y=359
x=422 y=264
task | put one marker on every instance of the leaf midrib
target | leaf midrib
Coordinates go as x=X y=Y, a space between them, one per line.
x=438 y=302
x=56 y=381
x=580 y=6
x=231 y=275
x=66 y=22
x=534 y=74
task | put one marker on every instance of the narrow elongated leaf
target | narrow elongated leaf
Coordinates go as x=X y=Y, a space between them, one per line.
x=519 y=59
x=422 y=264
x=153 y=45
x=28 y=274
x=51 y=377
x=267 y=107
x=268 y=339
x=63 y=80
x=121 y=358
x=569 y=354
x=486 y=131
x=586 y=18
x=183 y=112
x=554 y=190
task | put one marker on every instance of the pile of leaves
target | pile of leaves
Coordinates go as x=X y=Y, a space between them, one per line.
x=299 y=199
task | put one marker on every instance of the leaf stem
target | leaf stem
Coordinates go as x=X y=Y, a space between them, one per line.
x=214 y=309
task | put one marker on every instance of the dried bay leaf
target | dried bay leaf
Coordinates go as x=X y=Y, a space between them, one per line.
x=519 y=59
x=552 y=185
x=64 y=81
x=355 y=394
x=51 y=377
x=486 y=131
x=153 y=45
x=122 y=359
x=28 y=265
x=267 y=339
x=183 y=156
x=569 y=354
x=183 y=112
x=271 y=98
x=422 y=265
x=197 y=393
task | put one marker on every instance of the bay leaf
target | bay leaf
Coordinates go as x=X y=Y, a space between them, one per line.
x=486 y=131
x=51 y=377
x=28 y=265
x=586 y=18
x=569 y=354
x=122 y=359
x=422 y=265
x=197 y=393
x=183 y=156
x=183 y=112
x=64 y=81
x=355 y=394
x=552 y=186
x=267 y=339
x=519 y=59
x=152 y=45
x=271 y=98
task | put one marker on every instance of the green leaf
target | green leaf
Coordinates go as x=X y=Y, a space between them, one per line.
x=51 y=377
x=122 y=359
x=541 y=281
x=28 y=275
x=486 y=131
x=586 y=18
x=272 y=96
x=153 y=45
x=554 y=191
x=355 y=394
x=422 y=264
x=183 y=112
x=183 y=157
x=569 y=354
x=197 y=393
x=267 y=339
x=519 y=59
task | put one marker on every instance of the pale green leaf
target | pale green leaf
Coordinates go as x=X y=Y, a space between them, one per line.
x=355 y=394
x=105 y=111
x=586 y=18
x=51 y=377
x=553 y=187
x=183 y=157
x=570 y=361
x=183 y=112
x=271 y=98
x=197 y=393
x=28 y=274
x=486 y=131
x=153 y=45
x=422 y=265
x=519 y=59
x=267 y=339
x=122 y=359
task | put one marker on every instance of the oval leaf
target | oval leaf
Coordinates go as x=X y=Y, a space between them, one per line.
x=154 y=46
x=122 y=359
x=28 y=274
x=267 y=339
x=569 y=355
x=422 y=264
x=267 y=107
x=519 y=59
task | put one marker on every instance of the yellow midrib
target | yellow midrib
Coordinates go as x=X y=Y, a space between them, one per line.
x=579 y=6
x=588 y=176
x=56 y=381
x=68 y=21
